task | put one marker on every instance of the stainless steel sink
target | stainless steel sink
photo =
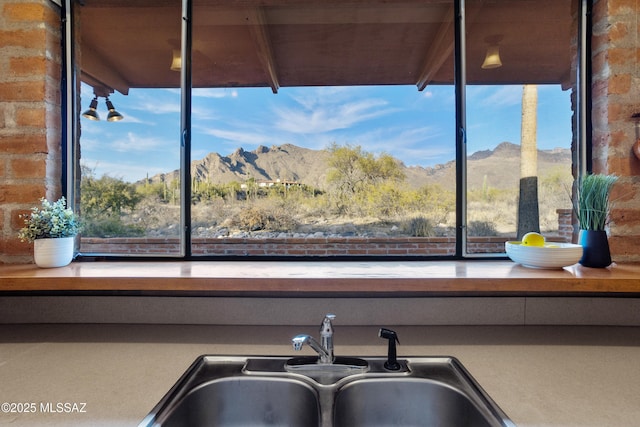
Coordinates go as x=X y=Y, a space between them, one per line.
x=406 y=402
x=265 y=391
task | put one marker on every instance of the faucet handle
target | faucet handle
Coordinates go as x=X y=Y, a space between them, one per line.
x=326 y=328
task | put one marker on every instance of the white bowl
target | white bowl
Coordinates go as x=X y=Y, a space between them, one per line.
x=553 y=255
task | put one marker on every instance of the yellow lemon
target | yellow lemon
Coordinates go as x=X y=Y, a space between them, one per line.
x=533 y=239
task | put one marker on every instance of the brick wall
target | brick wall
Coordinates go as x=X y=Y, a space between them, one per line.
x=312 y=246
x=565 y=225
x=299 y=247
x=30 y=117
x=616 y=97
x=296 y=247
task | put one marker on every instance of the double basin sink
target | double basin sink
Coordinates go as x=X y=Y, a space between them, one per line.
x=284 y=391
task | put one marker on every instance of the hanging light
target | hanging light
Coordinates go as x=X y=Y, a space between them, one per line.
x=492 y=58
x=176 y=61
x=113 y=115
x=91 y=113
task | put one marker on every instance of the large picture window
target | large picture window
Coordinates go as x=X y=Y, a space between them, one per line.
x=322 y=129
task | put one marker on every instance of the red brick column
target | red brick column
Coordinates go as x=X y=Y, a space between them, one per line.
x=30 y=116
x=565 y=225
x=616 y=97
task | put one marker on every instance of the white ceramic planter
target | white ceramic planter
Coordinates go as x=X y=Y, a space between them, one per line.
x=50 y=253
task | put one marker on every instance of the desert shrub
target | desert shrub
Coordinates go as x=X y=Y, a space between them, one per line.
x=353 y=173
x=107 y=195
x=110 y=227
x=152 y=190
x=104 y=202
x=432 y=201
x=554 y=193
x=419 y=227
x=252 y=219
x=481 y=228
x=256 y=218
x=383 y=200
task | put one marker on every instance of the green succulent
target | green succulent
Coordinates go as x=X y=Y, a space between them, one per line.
x=51 y=220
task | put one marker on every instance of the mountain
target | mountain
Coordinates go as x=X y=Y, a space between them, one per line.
x=498 y=168
x=286 y=162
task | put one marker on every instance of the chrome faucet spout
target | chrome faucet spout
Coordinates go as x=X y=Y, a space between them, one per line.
x=324 y=348
x=299 y=341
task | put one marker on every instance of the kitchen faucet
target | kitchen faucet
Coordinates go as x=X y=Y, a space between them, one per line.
x=324 y=348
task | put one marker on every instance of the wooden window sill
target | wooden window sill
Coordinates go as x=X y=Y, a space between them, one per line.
x=321 y=278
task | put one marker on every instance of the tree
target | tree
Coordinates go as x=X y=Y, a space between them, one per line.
x=528 y=210
x=107 y=195
x=102 y=202
x=353 y=172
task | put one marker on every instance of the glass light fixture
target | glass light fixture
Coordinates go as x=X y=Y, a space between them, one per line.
x=176 y=61
x=492 y=58
x=113 y=115
x=91 y=113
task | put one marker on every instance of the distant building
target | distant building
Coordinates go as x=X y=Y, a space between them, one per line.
x=269 y=184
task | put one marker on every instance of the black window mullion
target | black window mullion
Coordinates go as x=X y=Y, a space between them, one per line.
x=185 y=129
x=460 y=81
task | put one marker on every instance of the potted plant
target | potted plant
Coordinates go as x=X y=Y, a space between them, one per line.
x=52 y=229
x=592 y=211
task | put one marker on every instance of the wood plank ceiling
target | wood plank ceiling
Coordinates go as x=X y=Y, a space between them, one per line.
x=127 y=44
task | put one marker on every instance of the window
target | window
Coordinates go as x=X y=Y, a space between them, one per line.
x=289 y=129
x=521 y=77
x=128 y=203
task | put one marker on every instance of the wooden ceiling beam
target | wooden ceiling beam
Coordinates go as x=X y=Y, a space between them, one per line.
x=258 y=28
x=439 y=50
x=94 y=65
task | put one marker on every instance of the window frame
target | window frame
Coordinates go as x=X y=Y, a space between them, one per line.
x=71 y=107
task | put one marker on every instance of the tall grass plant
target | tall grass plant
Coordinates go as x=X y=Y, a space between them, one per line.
x=593 y=201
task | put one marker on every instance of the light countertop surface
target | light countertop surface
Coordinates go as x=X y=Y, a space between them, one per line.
x=112 y=375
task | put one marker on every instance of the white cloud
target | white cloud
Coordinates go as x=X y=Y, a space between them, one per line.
x=327 y=117
x=155 y=101
x=419 y=134
x=135 y=143
x=215 y=93
x=414 y=146
x=129 y=118
x=200 y=113
x=496 y=96
x=155 y=107
x=129 y=172
x=310 y=98
x=239 y=137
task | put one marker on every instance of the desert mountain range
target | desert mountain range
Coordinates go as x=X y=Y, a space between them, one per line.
x=498 y=168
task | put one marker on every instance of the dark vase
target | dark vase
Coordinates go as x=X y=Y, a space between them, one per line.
x=595 y=248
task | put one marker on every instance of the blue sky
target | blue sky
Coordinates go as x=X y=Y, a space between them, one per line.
x=416 y=127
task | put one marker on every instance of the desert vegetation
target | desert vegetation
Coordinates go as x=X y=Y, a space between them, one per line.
x=364 y=194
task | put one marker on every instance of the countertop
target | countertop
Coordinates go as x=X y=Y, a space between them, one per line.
x=315 y=277
x=112 y=375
